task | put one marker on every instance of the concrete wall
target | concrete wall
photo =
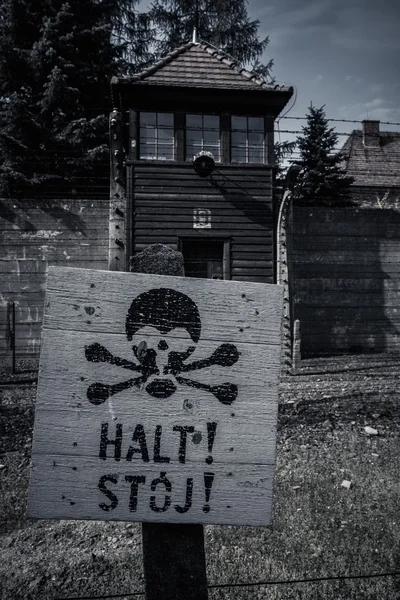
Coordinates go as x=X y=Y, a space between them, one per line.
x=36 y=233
x=346 y=270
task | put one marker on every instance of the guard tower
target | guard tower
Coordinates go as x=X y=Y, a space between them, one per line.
x=192 y=142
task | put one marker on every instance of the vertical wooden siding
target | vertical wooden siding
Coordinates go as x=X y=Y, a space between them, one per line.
x=35 y=233
x=165 y=197
x=347 y=279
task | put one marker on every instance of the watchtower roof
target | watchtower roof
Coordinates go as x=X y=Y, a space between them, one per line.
x=200 y=65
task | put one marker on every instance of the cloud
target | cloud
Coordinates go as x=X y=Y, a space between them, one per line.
x=377 y=108
x=376 y=88
x=352 y=79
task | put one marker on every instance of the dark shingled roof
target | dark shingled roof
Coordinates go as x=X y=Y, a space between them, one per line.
x=200 y=65
x=373 y=165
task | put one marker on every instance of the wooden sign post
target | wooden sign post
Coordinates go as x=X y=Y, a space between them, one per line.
x=157 y=399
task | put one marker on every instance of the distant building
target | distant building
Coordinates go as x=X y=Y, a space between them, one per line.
x=373 y=159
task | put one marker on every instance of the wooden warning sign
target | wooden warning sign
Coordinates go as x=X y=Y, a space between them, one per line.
x=157 y=399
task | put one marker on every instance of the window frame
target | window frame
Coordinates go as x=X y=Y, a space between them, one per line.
x=204 y=146
x=248 y=147
x=157 y=142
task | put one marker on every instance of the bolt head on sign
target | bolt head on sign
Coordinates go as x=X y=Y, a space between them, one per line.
x=157 y=399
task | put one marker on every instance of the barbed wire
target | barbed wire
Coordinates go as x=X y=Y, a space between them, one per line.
x=251 y=584
x=342 y=120
x=298 y=131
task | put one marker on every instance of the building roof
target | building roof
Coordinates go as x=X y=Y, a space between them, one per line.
x=203 y=66
x=373 y=156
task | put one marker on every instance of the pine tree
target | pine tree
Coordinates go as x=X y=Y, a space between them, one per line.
x=322 y=178
x=56 y=61
x=222 y=23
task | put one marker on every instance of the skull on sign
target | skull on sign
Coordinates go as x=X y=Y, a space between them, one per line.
x=161 y=357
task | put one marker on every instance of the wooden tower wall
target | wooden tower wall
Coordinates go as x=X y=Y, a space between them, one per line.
x=165 y=203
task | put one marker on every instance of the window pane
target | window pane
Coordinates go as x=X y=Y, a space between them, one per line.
x=238 y=155
x=165 y=152
x=192 y=150
x=165 y=136
x=238 y=139
x=211 y=137
x=148 y=118
x=165 y=119
x=239 y=124
x=211 y=122
x=256 y=139
x=147 y=135
x=193 y=137
x=256 y=124
x=256 y=155
x=148 y=151
x=194 y=121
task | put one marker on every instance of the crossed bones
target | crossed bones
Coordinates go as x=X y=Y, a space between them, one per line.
x=225 y=355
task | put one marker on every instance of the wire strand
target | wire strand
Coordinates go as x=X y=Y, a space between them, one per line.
x=340 y=120
x=310 y=580
x=250 y=584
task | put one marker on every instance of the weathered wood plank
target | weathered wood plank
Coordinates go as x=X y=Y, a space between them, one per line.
x=101 y=311
x=239 y=495
x=183 y=196
x=252 y=252
x=186 y=216
x=217 y=225
x=250 y=268
x=253 y=279
x=201 y=451
x=225 y=171
x=66 y=441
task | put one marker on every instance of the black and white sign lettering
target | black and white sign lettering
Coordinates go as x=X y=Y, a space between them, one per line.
x=157 y=399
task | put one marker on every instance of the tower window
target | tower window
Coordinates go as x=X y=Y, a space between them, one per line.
x=157 y=136
x=202 y=134
x=247 y=140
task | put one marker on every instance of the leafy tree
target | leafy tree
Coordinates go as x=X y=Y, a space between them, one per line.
x=56 y=61
x=322 y=178
x=222 y=23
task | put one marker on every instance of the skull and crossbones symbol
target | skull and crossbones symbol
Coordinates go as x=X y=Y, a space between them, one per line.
x=165 y=310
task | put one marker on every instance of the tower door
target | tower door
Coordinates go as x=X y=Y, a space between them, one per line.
x=205 y=258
